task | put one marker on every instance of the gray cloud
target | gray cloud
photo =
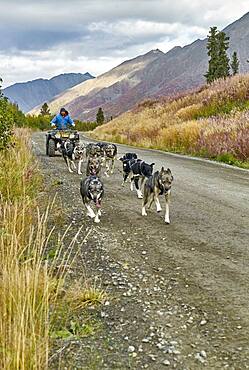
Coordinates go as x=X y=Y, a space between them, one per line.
x=15 y=40
x=41 y=38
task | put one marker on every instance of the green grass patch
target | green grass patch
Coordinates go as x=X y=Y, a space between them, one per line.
x=220 y=108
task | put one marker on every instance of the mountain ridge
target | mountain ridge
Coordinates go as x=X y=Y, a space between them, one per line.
x=151 y=75
x=34 y=92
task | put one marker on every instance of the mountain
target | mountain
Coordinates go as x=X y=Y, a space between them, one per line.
x=32 y=93
x=151 y=75
x=84 y=99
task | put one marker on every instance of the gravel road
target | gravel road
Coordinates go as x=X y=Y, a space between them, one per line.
x=179 y=293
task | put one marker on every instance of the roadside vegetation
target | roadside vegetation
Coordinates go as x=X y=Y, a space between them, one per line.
x=212 y=122
x=39 y=304
x=42 y=122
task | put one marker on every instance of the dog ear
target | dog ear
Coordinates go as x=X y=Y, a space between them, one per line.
x=121 y=159
x=169 y=171
x=152 y=164
x=162 y=169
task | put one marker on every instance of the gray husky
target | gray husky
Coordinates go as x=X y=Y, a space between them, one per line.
x=92 y=190
x=110 y=151
x=158 y=184
x=93 y=166
x=94 y=150
x=79 y=152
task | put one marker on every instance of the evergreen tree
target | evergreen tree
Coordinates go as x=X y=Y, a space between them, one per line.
x=100 y=118
x=235 y=63
x=223 y=67
x=45 y=111
x=212 y=47
x=218 y=64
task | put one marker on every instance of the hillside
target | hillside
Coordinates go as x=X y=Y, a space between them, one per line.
x=83 y=99
x=29 y=94
x=154 y=74
x=212 y=122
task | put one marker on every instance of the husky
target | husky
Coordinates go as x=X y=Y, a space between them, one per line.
x=158 y=184
x=67 y=150
x=72 y=152
x=110 y=153
x=93 y=166
x=128 y=161
x=140 y=170
x=92 y=190
x=79 y=152
x=128 y=156
x=94 y=150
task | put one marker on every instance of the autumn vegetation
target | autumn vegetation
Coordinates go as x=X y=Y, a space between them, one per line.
x=212 y=122
x=34 y=284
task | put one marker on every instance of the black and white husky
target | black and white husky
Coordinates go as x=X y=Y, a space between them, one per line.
x=128 y=156
x=140 y=170
x=92 y=190
x=128 y=159
x=67 y=150
x=158 y=184
x=72 y=152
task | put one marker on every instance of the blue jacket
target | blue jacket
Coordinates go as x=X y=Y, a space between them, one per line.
x=62 y=123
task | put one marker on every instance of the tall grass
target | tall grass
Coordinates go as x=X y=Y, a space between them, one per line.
x=32 y=284
x=212 y=122
x=25 y=283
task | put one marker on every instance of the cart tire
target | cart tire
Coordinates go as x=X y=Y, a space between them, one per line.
x=51 y=148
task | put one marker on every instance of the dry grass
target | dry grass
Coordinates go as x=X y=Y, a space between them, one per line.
x=25 y=283
x=187 y=124
x=29 y=282
x=82 y=294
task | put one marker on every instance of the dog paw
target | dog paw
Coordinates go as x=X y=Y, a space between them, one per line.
x=91 y=215
x=167 y=222
x=144 y=213
x=79 y=173
x=97 y=220
x=140 y=196
x=159 y=210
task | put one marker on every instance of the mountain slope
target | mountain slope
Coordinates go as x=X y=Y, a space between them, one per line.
x=83 y=99
x=29 y=94
x=211 y=122
x=151 y=75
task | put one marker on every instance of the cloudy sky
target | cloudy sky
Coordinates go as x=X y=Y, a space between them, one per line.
x=47 y=37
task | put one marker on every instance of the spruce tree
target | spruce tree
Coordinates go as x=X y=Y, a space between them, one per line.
x=218 y=64
x=212 y=47
x=45 y=111
x=100 y=118
x=223 y=66
x=235 y=63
